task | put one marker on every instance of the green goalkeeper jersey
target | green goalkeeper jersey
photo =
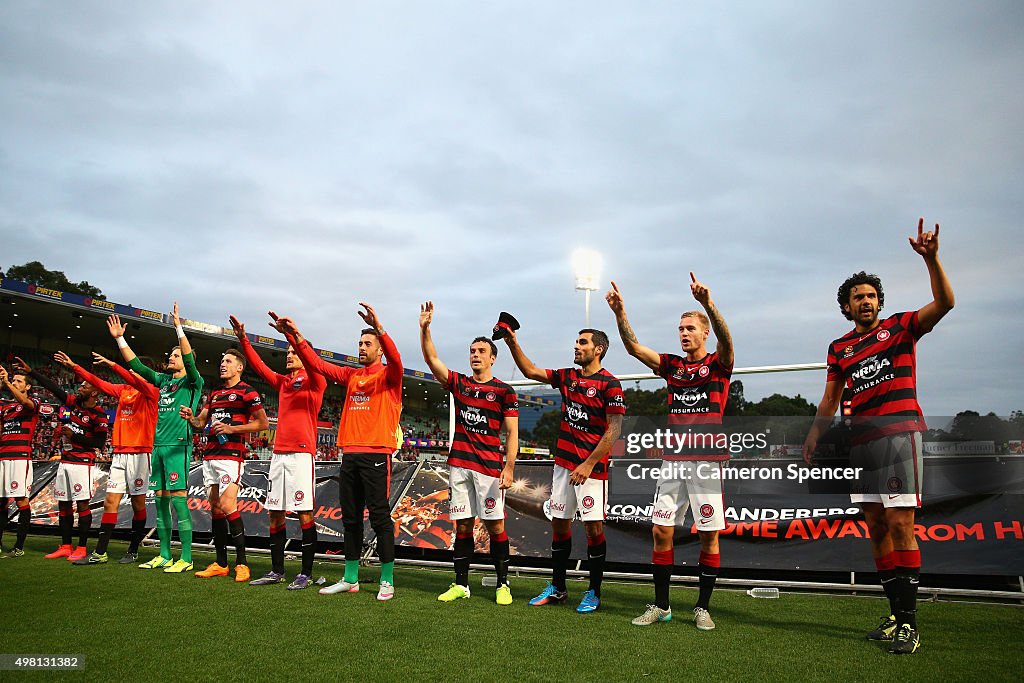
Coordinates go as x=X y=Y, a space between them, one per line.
x=175 y=392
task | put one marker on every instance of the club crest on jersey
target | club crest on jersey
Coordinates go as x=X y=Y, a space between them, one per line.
x=895 y=484
x=707 y=510
x=138 y=482
x=299 y=495
x=231 y=397
x=882 y=335
x=848 y=351
x=78 y=488
x=870 y=367
x=174 y=477
x=591 y=392
x=85 y=419
x=588 y=502
x=704 y=371
x=14 y=486
x=490 y=503
x=225 y=479
x=490 y=396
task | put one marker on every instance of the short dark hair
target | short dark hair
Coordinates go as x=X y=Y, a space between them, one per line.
x=494 y=347
x=368 y=330
x=599 y=338
x=232 y=351
x=861 y=278
x=27 y=377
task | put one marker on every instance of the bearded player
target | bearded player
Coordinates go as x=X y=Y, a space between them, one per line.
x=18 y=421
x=84 y=432
x=478 y=478
x=233 y=410
x=367 y=437
x=292 y=478
x=134 y=427
x=876 y=362
x=180 y=386
x=592 y=408
x=698 y=387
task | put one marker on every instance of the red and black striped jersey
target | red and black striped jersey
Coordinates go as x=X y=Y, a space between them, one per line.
x=697 y=394
x=19 y=426
x=232 y=406
x=879 y=369
x=697 y=390
x=586 y=404
x=480 y=410
x=86 y=431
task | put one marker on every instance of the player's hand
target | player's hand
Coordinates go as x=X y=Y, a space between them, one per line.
x=426 y=314
x=64 y=360
x=283 y=324
x=506 y=479
x=97 y=359
x=927 y=243
x=700 y=291
x=174 y=315
x=809 y=447
x=21 y=366
x=614 y=299
x=581 y=473
x=117 y=329
x=218 y=428
x=185 y=413
x=3 y=374
x=237 y=327
x=370 y=317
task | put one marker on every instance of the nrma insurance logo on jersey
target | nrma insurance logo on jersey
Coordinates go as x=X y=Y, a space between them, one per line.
x=870 y=367
x=576 y=413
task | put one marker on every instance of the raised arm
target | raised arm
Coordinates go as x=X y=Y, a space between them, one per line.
x=393 y=373
x=702 y=294
x=129 y=378
x=117 y=330
x=20 y=396
x=252 y=358
x=644 y=354
x=83 y=374
x=427 y=344
x=310 y=359
x=525 y=365
x=188 y=359
x=42 y=380
x=927 y=245
x=823 y=417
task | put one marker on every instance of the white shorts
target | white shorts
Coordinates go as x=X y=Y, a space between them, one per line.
x=685 y=490
x=292 y=482
x=590 y=498
x=16 y=478
x=73 y=481
x=129 y=473
x=221 y=473
x=472 y=494
x=893 y=469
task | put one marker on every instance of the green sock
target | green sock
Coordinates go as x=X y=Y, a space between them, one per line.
x=163 y=525
x=184 y=525
x=351 y=571
x=387 y=572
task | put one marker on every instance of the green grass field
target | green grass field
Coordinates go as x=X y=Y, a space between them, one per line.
x=133 y=624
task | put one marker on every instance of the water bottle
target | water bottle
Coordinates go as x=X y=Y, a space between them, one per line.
x=761 y=592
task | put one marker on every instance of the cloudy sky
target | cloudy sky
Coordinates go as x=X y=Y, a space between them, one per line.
x=306 y=156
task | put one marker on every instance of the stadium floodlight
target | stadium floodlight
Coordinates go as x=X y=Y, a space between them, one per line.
x=586 y=264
